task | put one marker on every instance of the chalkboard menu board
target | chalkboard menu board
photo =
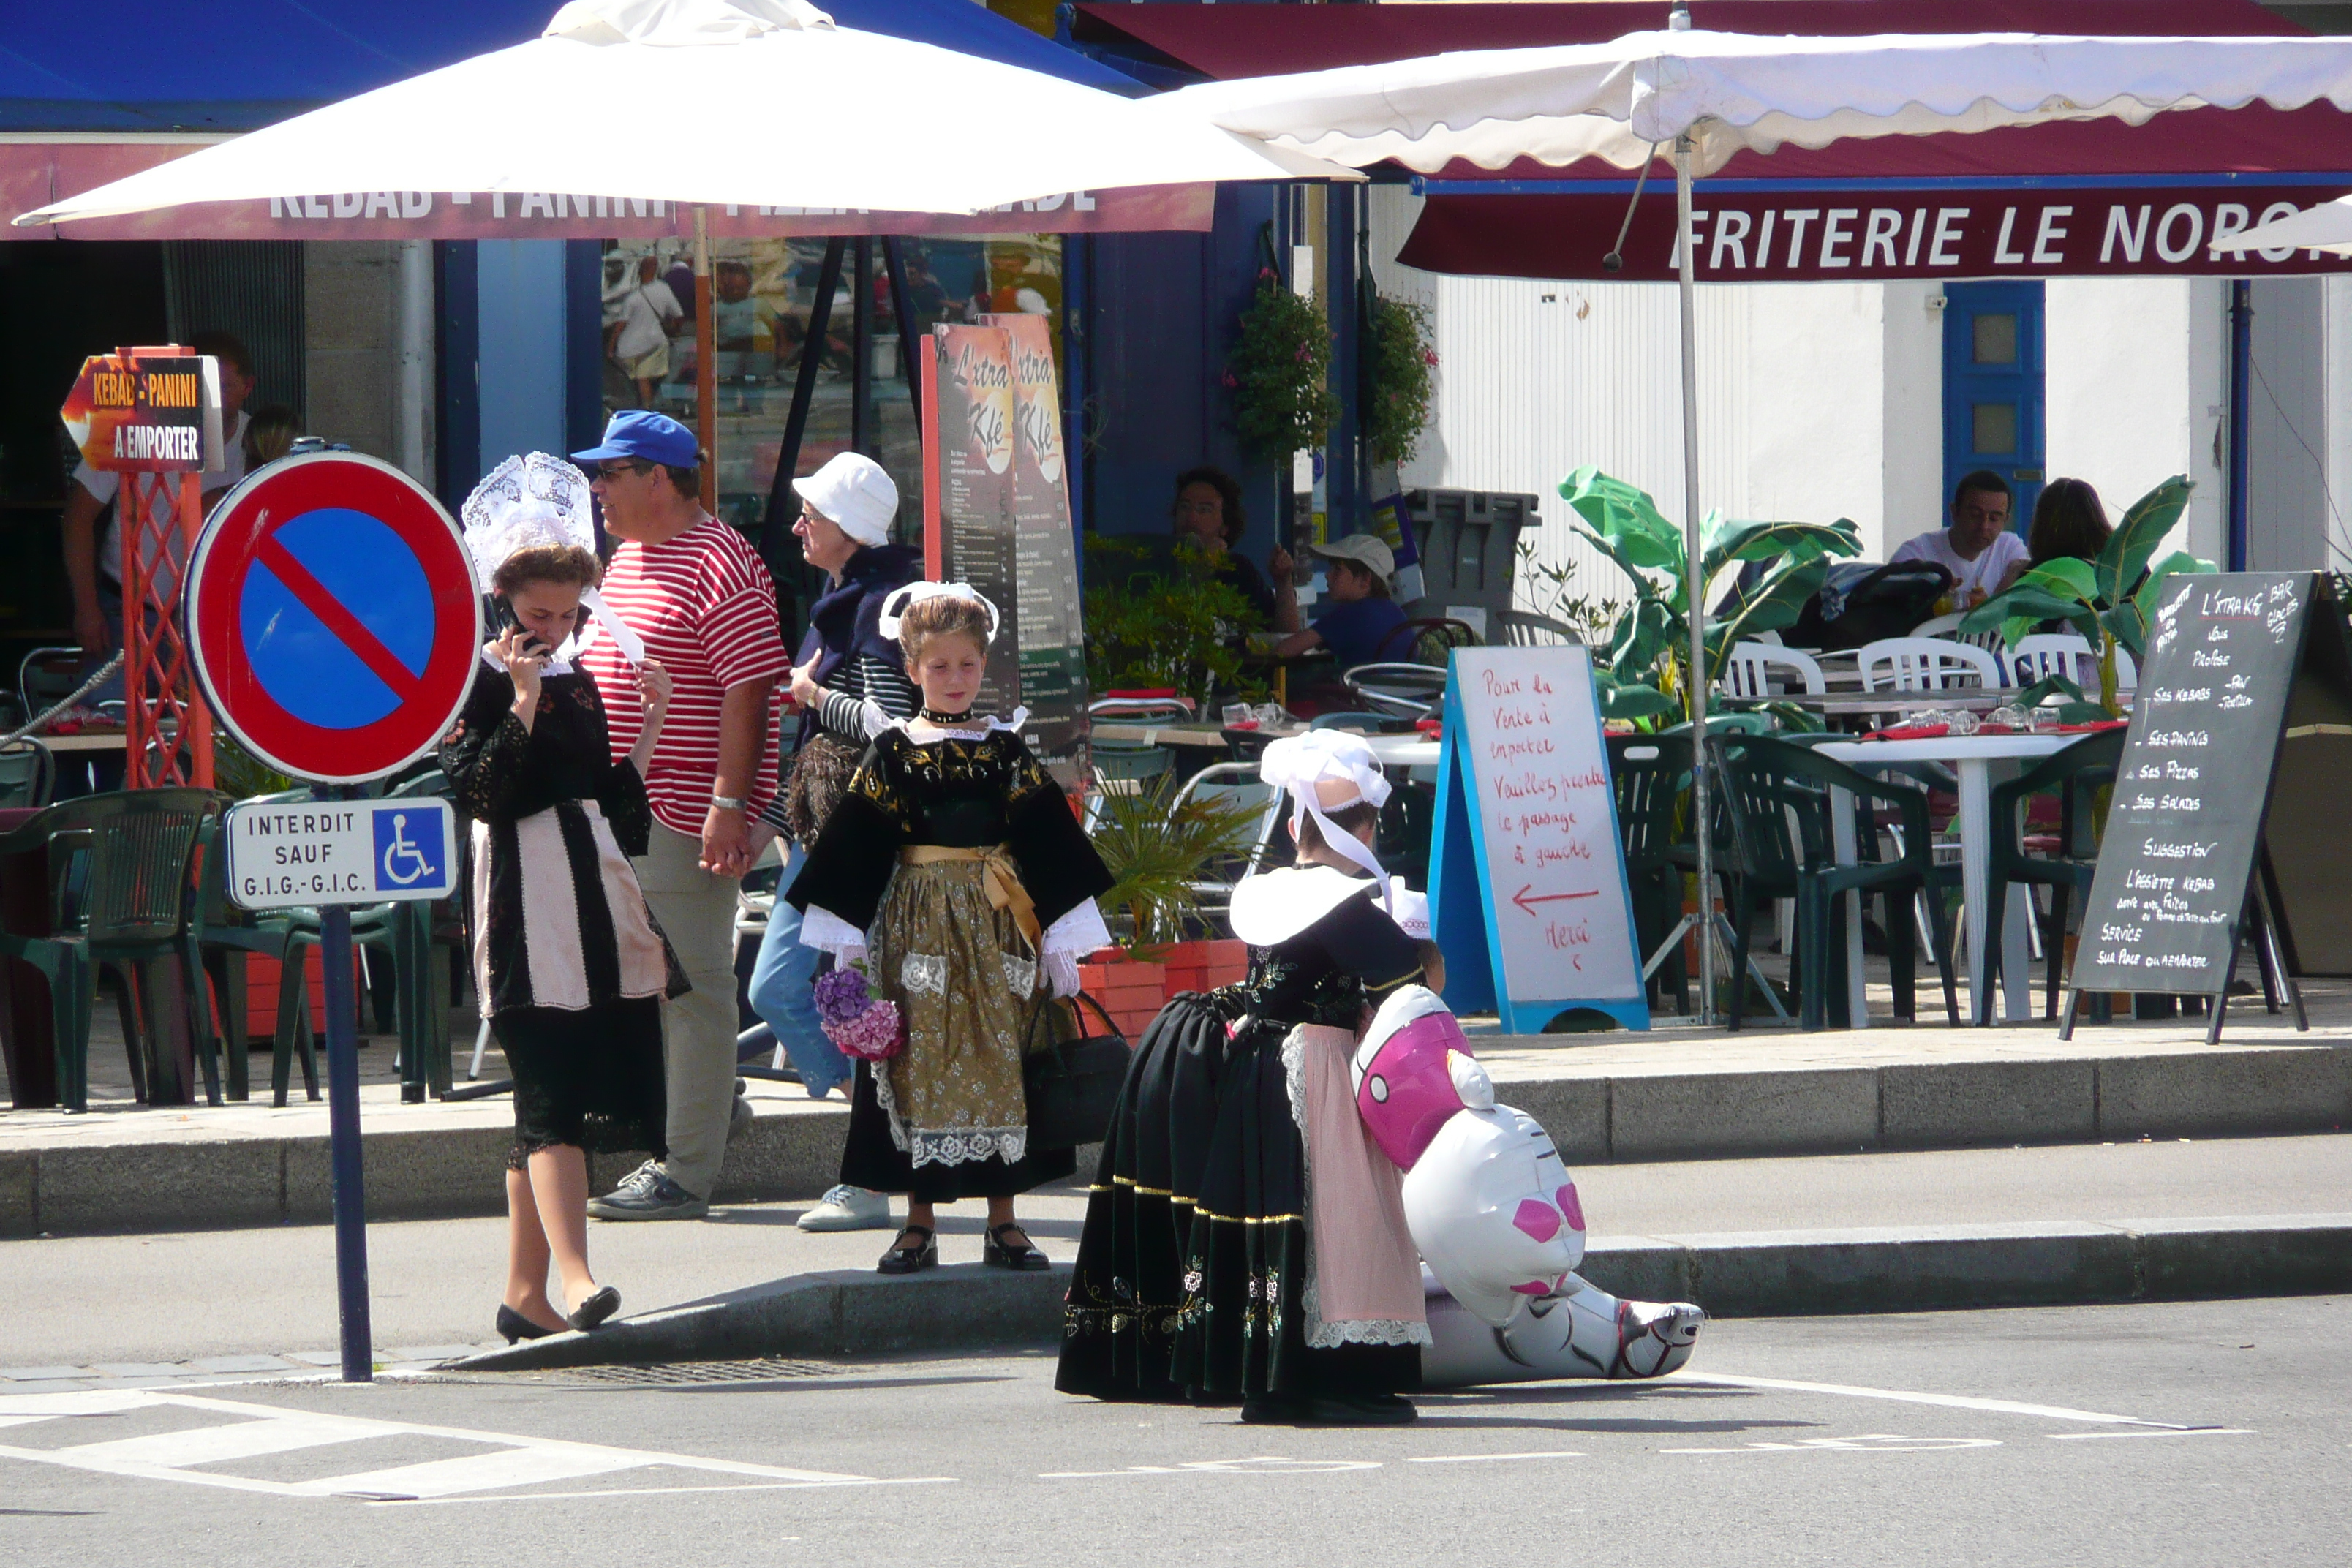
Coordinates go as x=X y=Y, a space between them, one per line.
x=2245 y=681
x=1526 y=878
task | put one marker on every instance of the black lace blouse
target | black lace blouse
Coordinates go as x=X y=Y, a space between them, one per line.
x=963 y=793
x=1350 y=960
x=500 y=773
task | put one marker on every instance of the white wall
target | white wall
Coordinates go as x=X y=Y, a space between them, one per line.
x=2136 y=390
x=1912 y=411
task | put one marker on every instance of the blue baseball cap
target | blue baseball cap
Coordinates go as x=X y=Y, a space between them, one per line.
x=653 y=437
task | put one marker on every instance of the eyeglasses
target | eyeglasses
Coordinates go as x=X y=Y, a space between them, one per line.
x=614 y=470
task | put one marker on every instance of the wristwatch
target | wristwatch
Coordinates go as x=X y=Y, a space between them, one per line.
x=727 y=803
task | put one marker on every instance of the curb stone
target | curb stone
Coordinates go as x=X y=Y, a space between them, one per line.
x=966 y=1306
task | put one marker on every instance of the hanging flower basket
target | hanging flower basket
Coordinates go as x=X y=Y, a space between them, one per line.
x=1398 y=378
x=1280 y=372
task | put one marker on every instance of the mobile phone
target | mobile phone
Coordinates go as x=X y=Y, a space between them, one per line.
x=508 y=621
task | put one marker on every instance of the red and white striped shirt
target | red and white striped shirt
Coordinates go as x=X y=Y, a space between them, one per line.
x=704 y=607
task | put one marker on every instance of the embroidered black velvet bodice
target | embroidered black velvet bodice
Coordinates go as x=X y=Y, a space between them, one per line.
x=1329 y=973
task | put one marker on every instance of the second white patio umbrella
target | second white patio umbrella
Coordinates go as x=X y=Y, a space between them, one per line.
x=1712 y=95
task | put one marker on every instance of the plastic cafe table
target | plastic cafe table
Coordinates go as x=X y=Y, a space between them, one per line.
x=1980 y=762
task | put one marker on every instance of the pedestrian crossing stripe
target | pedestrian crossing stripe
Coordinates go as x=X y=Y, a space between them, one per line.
x=246 y=1431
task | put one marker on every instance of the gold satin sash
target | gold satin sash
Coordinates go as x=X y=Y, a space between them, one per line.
x=999 y=874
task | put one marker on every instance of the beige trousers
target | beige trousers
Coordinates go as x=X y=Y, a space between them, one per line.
x=696 y=911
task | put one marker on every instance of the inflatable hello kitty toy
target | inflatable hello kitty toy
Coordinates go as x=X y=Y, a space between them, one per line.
x=1495 y=1217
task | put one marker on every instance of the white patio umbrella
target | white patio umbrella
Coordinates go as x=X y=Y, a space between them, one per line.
x=1713 y=95
x=780 y=109
x=2327 y=226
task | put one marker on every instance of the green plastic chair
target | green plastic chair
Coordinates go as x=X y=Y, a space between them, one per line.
x=2075 y=775
x=1651 y=775
x=121 y=895
x=1776 y=796
x=28 y=774
x=225 y=934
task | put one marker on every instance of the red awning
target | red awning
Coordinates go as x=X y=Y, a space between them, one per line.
x=1535 y=220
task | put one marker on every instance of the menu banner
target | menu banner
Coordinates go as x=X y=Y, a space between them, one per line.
x=2246 y=684
x=33 y=174
x=1528 y=892
x=146 y=411
x=969 y=442
x=1045 y=556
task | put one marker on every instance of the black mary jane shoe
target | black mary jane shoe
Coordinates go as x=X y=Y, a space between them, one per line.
x=907 y=1260
x=515 y=1326
x=594 y=1310
x=999 y=1254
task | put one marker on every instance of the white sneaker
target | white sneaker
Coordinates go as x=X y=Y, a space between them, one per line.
x=849 y=1208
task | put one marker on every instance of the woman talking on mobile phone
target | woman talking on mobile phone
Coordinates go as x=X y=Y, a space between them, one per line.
x=570 y=964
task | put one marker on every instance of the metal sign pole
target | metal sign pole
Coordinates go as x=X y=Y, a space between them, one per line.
x=343 y=1135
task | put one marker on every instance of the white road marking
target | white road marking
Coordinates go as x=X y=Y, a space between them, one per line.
x=1489 y=1458
x=1947 y=1400
x=1872 y=1443
x=251 y=1431
x=1265 y=1464
x=2183 y=1432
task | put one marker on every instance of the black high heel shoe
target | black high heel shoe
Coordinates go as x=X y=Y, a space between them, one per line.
x=515 y=1326
x=594 y=1310
x=998 y=1253
x=905 y=1260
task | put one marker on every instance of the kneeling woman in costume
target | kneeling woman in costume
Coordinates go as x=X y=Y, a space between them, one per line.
x=1301 y=1288
x=954 y=873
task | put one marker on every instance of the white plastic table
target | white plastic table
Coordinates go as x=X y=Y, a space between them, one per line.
x=1980 y=762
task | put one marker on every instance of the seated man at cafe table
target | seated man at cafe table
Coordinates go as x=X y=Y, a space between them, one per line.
x=1979 y=550
x=1361 y=615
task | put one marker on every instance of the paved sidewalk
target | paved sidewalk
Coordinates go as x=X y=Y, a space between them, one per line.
x=1677 y=1092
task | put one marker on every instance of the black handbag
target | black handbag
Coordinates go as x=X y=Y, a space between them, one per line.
x=1073 y=1086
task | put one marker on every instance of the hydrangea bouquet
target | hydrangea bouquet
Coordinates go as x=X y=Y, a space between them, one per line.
x=854 y=1019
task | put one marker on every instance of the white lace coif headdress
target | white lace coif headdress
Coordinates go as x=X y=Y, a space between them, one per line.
x=1326 y=770
x=531 y=500
x=900 y=600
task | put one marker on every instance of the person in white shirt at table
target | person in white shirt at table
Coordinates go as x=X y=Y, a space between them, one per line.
x=1979 y=550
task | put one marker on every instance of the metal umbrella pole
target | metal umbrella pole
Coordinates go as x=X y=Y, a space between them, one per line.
x=1695 y=586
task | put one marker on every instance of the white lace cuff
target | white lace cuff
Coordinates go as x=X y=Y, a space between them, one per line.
x=1076 y=934
x=823 y=930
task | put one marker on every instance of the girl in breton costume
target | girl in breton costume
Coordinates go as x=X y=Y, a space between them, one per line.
x=954 y=872
x=1301 y=1290
x=568 y=961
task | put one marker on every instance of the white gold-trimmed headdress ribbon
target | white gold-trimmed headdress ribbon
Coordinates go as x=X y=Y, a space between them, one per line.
x=1326 y=770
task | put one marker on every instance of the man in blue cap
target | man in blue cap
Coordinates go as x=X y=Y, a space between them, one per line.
x=695 y=592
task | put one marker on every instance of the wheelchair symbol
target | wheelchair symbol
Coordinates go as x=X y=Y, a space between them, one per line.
x=400 y=853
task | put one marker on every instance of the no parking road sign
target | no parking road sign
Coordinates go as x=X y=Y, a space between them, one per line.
x=333 y=616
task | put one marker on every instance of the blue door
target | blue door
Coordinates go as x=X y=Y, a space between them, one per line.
x=1992 y=388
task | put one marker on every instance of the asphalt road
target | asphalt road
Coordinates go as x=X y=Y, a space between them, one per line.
x=2188 y=1434
x=176 y=1296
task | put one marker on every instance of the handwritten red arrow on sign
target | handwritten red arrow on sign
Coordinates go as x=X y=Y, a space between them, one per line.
x=1529 y=904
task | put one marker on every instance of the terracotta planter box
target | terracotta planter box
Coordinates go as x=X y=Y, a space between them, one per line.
x=261 y=992
x=1206 y=966
x=1130 y=990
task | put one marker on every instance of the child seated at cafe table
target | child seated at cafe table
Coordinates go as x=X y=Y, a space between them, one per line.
x=1361 y=616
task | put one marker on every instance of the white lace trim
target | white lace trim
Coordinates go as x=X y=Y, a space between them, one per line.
x=828 y=933
x=964 y=1145
x=1363 y=1331
x=1019 y=975
x=924 y=971
x=1079 y=931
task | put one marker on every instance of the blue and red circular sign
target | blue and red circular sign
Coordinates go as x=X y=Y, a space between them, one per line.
x=333 y=616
